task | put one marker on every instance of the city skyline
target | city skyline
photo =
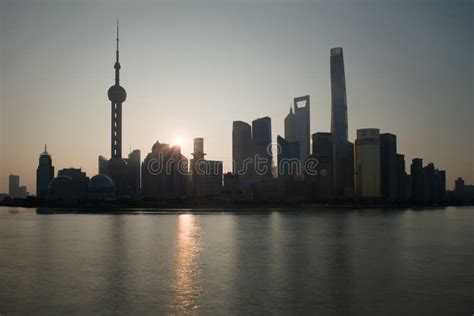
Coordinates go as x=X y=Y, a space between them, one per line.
x=63 y=136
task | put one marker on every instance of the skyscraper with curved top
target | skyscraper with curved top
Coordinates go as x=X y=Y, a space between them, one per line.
x=343 y=150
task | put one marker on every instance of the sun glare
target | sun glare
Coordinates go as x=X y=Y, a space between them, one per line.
x=178 y=141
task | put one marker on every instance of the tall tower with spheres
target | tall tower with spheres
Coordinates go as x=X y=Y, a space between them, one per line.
x=117 y=166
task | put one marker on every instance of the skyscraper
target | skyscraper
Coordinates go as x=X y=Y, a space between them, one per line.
x=164 y=172
x=14 y=186
x=343 y=155
x=133 y=172
x=44 y=174
x=388 y=165
x=206 y=175
x=417 y=181
x=288 y=157
x=242 y=150
x=368 y=163
x=117 y=95
x=322 y=182
x=402 y=180
x=262 y=141
x=297 y=126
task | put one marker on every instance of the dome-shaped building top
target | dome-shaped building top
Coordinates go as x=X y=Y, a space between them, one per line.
x=100 y=184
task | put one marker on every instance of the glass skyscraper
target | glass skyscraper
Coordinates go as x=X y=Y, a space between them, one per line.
x=343 y=150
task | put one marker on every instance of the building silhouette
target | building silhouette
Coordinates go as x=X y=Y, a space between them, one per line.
x=343 y=150
x=288 y=157
x=242 y=150
x=134 y=173
x=417 y=181
x=206 y=175
x=297 y=126
x=368 y=163
x=70 y=185
x=14 y=188
x=103 y=165
x=262 y=141
x=164 y=172
x=44 y=174
x=388 y=165
x=402 y=180
x=320 y=184
x=117 y=167
x=100 y=187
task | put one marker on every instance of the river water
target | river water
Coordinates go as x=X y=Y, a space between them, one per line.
x=326 y=262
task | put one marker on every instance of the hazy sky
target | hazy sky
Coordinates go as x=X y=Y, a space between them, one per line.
x=192 y=67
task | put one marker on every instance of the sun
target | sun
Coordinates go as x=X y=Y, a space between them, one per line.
x=178 y=141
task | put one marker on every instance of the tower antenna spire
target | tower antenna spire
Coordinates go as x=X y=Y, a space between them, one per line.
x=117 y=51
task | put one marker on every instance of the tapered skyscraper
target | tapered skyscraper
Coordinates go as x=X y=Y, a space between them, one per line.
x=338 y=97
x=343 y=150
x=297 y=126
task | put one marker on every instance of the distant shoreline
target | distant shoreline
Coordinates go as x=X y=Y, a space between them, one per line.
x=112 y=208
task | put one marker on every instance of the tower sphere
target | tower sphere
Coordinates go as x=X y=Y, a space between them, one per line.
x=117 y=94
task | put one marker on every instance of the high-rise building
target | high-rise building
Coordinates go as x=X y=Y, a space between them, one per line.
x=440 y=186
x=206 y=175
x=134 y=173
x=14 y=186
x=288 y=157
x=262 y=141
x=417 y=181
x=164 y=172
x=343 y=154
x=242 y=150
x=103 y=165
x=321 y=182
x=297 y=126
x=402 y=181
x=44 y=174
x=388 y=165
x=117 y=168
x=368 y=163
x=429 y=183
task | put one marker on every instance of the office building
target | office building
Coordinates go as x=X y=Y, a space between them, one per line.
x=14 y=186
x=242 y=150
x=288 y=158
x=44 y=174
x=417 y=181
x=320 y=183
x=262 y=141
x=388 y=165
x=164 y=173
x=206 y=175
x=297 y=126
x=343 y=150
x=402 y=180
x=134 y=173
x=368 y=163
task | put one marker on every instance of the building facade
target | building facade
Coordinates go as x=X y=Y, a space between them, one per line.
x=297 y=126
x=242 y=150
x=388 y=165
x=44 y=174
x=343 y=150
x=368 y=163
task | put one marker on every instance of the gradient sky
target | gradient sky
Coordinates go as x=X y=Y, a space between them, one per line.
x=192 y=67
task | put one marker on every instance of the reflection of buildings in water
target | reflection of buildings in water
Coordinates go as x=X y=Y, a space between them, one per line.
x=186 y=288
